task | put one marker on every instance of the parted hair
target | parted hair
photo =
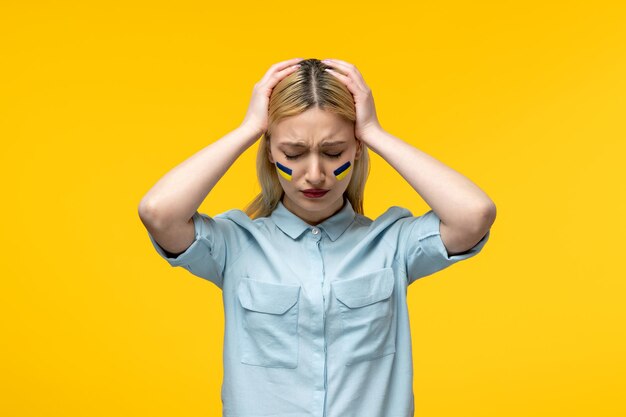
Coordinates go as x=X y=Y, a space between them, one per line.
x=305 y=88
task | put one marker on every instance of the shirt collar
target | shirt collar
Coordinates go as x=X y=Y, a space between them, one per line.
x=294 y=226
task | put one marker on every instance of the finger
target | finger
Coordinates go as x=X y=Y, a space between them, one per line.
x=350 y=71
x=275 y=77
x=280 y=66
x=284 y=64
x=349 y=82
x=346 y=66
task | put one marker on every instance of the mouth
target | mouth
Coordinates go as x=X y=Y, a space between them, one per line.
x=314 y=192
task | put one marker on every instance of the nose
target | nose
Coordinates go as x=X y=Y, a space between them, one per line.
x=315 y=171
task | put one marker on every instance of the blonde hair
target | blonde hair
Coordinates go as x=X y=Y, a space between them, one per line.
x=305 y=88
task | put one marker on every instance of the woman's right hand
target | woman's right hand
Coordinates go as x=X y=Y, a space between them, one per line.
x=257 y=116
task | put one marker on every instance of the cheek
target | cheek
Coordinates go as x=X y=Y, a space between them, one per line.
x=283 y=171
x=342 y=171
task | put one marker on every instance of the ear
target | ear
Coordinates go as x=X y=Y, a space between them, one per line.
x=269 y=155
x=359 y=149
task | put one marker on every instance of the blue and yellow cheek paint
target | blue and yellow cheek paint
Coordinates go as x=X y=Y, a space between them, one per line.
x=284 y=171
x=340 y=173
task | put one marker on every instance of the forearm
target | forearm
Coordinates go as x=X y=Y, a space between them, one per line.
x=453 y=197
x=179 y=193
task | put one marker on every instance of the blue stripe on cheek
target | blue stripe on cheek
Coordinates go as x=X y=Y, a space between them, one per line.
x=342 y=171
x=284 y=171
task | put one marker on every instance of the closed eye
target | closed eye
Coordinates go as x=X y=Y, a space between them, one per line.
x=330 y=155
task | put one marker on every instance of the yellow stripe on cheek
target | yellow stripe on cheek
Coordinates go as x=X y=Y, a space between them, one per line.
x=343 y=174
x=285 y=175
x=284 y=171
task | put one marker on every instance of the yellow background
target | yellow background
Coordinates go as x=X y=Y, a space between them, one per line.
x=100 y=99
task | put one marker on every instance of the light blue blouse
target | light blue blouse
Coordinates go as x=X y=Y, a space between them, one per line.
x=316 y=319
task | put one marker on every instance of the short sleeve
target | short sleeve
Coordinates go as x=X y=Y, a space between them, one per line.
x=425 y=251
x=206 y=257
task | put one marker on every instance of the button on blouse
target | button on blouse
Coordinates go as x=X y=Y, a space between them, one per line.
x=316 y=323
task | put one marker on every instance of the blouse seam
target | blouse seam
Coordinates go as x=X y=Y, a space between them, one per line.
x=236 y=258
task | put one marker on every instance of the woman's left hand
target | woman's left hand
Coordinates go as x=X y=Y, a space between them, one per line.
x=366 y=119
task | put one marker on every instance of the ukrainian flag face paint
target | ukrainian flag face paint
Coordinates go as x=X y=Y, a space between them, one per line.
x=284 y=171
x=342 y=171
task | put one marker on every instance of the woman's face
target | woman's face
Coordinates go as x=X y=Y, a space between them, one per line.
x=314 y=150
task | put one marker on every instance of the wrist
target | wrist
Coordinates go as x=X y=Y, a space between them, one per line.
x=250 y=132
x=372 y=132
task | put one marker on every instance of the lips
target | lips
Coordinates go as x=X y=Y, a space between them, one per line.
x=314 y=192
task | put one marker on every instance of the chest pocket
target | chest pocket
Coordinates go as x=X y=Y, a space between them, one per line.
x=367 y=315
x=269 y=323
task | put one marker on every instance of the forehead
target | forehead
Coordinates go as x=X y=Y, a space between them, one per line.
x=313 y=127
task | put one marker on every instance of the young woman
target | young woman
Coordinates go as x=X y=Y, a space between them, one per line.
x=314 y=291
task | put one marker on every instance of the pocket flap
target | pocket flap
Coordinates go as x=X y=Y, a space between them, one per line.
x=364 y=289
x=267 y=297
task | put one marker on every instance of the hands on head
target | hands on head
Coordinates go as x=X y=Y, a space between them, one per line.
x=366 y=118
x=257 y=116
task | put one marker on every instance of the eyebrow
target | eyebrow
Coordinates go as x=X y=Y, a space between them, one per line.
x=300 y=144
